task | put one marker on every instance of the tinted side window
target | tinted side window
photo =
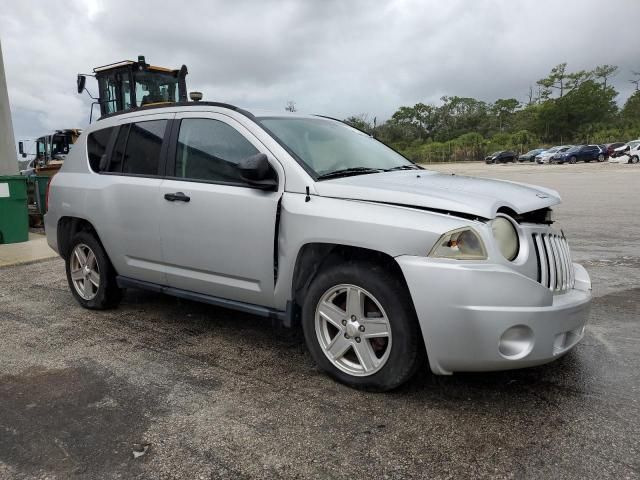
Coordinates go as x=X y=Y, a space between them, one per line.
x=142 y=153
x=209 y=150
x=97 y=147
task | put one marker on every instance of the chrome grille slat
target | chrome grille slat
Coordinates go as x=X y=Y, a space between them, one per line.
x=559 y=268
x=552 y=262
x=569 y=264
x=561 y=242
x=562 y=272
x=542 y=261
x=554 y=245
x=555 y=266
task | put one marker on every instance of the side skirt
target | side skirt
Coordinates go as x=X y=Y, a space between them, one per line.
x=277 y=315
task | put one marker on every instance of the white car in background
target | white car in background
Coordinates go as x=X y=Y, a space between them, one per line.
x=547 y=155
x=628 y=153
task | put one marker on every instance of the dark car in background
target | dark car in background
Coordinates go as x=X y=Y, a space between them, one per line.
x=530 y=156
x=612 y=146
x=502 y=156
x=585 y=153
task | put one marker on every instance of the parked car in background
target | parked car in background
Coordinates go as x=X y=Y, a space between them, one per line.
x=612 y=146
x=530 y=156
x=502 y=156
x=630 y=156
x=604 y=151
x=624 y=149
x=29 y=168
x=303 y=219
x=634 y=154
x=584 y=153
x=545 y=156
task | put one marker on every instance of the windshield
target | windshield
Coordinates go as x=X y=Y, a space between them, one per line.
x=633 y=144
x=553 y=150
x=60 y=145
x=327 y=146
x=573 y=149
x=534 y=152
x=153 y=87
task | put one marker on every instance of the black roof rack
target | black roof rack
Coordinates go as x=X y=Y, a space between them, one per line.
x=180 y=104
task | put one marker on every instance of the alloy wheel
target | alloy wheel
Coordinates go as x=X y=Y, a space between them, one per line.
x=85 y=273
x=353 y=330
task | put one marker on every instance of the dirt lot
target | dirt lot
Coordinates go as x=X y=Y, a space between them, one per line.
x=162 y=388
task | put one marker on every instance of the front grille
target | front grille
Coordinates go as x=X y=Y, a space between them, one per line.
x=555 y=268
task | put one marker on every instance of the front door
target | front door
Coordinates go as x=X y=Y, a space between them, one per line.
x=217 y=232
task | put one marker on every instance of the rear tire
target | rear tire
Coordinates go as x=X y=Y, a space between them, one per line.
x=91 y=277
x=385 y=301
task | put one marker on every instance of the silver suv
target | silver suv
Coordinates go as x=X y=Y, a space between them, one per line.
x=303 y=219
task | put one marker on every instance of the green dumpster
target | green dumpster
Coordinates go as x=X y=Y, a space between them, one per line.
x=14 y=215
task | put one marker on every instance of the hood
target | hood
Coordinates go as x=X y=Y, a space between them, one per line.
x=438 y=191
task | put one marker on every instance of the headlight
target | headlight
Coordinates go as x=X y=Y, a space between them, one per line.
x=506 y=236
x=461 y=244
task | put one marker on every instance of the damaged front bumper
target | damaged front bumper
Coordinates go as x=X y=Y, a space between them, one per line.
x=482 y=317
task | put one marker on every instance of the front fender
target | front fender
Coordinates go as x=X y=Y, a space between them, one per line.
x=389 y=229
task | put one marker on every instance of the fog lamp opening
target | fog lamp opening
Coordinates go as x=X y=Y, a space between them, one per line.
x=516 y=342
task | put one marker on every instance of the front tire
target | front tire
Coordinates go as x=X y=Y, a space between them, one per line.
x=634 y=159
x=601 y=158
x=573 y=160
x=91 y=277
x=360 y=326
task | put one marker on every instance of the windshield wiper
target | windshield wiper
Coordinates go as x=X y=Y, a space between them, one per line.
x=345 y=172
x=404 y=167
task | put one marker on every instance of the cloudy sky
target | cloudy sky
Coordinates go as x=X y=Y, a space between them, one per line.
x=329 y=56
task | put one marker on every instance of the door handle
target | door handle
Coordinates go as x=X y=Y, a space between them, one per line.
x=177 y=197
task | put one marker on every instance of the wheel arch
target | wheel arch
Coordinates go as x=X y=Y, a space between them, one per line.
x=68 y=227
x=315 y=256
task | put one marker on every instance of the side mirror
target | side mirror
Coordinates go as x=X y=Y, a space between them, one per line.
x=81 y=81
x=256 y=171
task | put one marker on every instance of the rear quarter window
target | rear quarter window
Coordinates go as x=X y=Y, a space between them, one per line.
x=97 y=143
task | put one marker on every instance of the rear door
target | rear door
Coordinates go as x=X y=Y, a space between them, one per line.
x=221 y=241
x=129 y=204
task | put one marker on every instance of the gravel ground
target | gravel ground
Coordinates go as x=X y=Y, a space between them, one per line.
x=163 y=388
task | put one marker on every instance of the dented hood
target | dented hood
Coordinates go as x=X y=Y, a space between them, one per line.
x=453 y=193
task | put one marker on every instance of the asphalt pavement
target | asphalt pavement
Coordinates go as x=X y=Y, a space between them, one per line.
x=164 y=388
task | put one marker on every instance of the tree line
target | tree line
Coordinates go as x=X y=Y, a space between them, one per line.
x=565 y=107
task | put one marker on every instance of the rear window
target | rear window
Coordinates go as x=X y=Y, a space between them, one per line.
x=97 y=147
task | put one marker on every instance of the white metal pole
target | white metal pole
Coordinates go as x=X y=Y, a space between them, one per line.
x=8 y=156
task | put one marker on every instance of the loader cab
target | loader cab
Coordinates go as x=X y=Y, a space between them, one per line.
x=129 y=85
x=55 y=146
